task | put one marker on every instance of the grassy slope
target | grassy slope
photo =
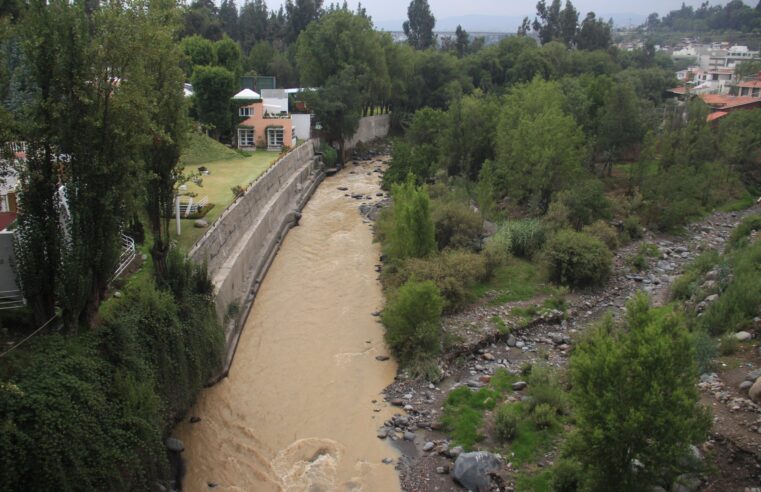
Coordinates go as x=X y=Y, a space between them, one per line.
x=227 y=168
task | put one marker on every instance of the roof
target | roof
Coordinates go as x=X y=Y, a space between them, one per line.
x=727 y=102
x=246 y=94
x=678 y=90
x=716 y=115
x=750 y=83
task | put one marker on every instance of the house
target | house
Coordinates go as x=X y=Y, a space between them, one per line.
x=750 y=87
x=722 y=105
x=263 y=125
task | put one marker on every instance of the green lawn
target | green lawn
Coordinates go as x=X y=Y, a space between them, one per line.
x=224 y=174
x=200 y=149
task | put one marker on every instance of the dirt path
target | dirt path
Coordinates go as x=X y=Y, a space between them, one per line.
x=734 y=448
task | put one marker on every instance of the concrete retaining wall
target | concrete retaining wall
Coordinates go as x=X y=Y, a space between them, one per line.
x=370 y=128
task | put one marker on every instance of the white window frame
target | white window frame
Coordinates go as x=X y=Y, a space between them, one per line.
x=246 y=137
x=246 y=111
x=275 y=136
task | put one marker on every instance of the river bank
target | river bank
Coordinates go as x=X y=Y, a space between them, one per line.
x=484 y=346
x=300 y=406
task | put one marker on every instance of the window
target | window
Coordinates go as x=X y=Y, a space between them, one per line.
x=245 y=137
x=245 y=111
x=275 y=136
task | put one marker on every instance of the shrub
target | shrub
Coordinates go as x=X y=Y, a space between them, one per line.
x=497 y=250
x=543 y=416
x=632 y=228
x=741 y=233
x=740 y=302
x=412 y=320
x=566 y=476
x=619 y=416
x=605 y=233
x=526 y=236
x=728 y=345
x=456 y=225
x=544 y=388
x=411 y=231
x=454 y=272
x=577 y=259
x=505 y=423
x=329 y=155
x=688 y=283
x=238 y=191
x=705 y=350
x=585 y=203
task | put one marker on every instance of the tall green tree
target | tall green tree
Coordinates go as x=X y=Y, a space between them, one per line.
x=337 y=108
x=213 y=87
x=594 y=34
x=343 y=39
x=254 y=20
x=168 y=126
x=540 y=148
x=228 y=55
x=620 y=124
x=635 y=398
x=228 y=17
x=419 y=25
x=413 y=234
x=299 y=14
x=197 y=51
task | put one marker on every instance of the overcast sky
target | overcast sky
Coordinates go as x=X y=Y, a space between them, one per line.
x=383 y=10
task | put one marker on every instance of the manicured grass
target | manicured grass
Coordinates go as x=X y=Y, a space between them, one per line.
x=201 y=149
x=518 y=280
x=217 y=186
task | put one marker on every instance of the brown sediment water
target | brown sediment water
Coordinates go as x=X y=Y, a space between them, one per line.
x=296 y=412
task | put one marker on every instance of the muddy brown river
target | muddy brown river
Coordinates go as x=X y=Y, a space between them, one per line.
x=296 y=412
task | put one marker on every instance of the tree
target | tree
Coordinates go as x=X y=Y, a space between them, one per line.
x=299 y=15
x=540 y=148
x=202 y=18
x=260 y=56
x=337 y=107
x=413 y=321
x=594 y=34
x=198 y=51
x=547 y=23
x=419 y=26
x=635 y=398
x=748 y=69
x=462 y=41
x=620 y=123
x=569 y=24
x=254 y=23
x=228 y=17
x=343 y=39
x=168 y=128
x=213 y=87
x=228 y=55
x=413 y=234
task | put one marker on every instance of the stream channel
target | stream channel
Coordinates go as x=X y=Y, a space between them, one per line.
x=302 y=403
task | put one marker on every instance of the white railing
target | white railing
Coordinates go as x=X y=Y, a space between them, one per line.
x=128 y=254
x=10 y=299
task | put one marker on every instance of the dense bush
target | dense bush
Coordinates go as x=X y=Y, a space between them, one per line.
x=740 y=302
x=329 y=155
x=585 y=203
x=743 y=230
x=526 y=236
x=544 y=388
x=632 y=228
x=505 y=423
x=88 y=412
x=634 y=395
x=604 y=232
x=409 y=231
x=453 y=271
x=412 y=320
x=688 y=283
x=456 y=225
x=577 y=260
x=543 y=415
x=566 y=476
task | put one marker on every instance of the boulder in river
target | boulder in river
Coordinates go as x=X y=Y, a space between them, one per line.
x=473 y=470
x=174 y=444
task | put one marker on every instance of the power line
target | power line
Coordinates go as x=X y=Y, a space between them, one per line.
x=27 y=338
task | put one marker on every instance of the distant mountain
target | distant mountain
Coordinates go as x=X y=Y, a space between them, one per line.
x=496 y=23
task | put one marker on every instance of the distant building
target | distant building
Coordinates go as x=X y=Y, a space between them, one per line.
x=264 y=125
x=722 y=105
x=750 y=87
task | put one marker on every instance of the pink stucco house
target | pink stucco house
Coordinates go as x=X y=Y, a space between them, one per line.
x=263 y=126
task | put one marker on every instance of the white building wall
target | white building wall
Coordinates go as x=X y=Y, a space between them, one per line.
x=302 y=124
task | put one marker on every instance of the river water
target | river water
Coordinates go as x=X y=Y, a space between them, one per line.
x=297 y=411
